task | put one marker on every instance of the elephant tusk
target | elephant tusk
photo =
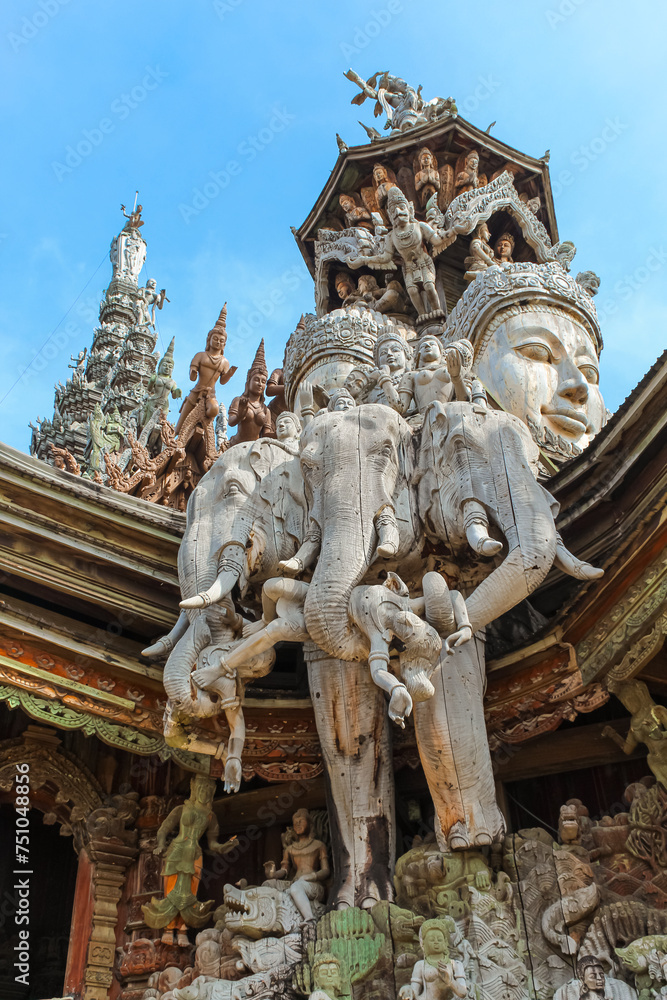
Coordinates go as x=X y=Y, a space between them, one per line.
x=568 y=563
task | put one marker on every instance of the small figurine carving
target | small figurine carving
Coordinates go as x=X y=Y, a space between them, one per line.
x=346 y=289
x=149 y=297
x=183 y=863
x=592 y=984
x=161 y=385
x=481 y=254
x=250 y=411
x=79 y=365
x=307 y=858
x=391 y=354
x=504 y=247
x=589 y=281
x=134 y=220
x=63 y=459
x=208 y=367
x=326 y=976
x=648 y=725
x=468 y=177
x=382 y=184
x=438 y=376
x=369 y=291
x=355 y=215
x=436 y=976
x=403 y=106
x=96 y=439
x=427 y=178
x=407 y=238
x=276 y=387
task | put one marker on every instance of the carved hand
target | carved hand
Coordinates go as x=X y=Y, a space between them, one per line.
x=453 y=359
x=270 y=869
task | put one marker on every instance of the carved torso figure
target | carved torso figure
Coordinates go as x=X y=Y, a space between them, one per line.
x=249 y=411
x=307 y=858
x=208 y=367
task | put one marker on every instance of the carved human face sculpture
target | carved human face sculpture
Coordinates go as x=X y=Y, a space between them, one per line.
x=541 y=365
x=400 y=216
x=343 y=401
x=472 y=162
x=379 y=173
x=327 y=978
x=346 y=203
x=425 y=159
x=503 y=248
x=344 y=287
x=216 y=343
x=429 y=351
x=391 y=353
x=286 y=427
x=434 y=942
x=256 y=384
x=300 y=823
x=593 y=978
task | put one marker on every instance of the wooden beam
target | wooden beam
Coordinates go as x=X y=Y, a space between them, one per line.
x=565 y=750
x=264 y=807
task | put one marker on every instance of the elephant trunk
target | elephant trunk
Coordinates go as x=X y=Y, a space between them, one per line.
x=345 y=558
x=177 y=670
x=514 y=580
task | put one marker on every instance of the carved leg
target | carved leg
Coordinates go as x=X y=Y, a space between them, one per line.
x=350 y=712
x=454 y=750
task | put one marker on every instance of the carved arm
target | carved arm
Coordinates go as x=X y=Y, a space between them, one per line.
x=170 y=823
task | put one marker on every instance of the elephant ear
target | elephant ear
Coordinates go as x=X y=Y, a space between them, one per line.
x=394 y=582
x=263 y=455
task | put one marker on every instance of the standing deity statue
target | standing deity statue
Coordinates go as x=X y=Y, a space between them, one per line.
x=79 y=365
x=161 y=386
x=307 y=860
x=382 y=184
x=96 y=438
x=436 y=976
x=250 y=411
x=134 y=220
x=182 y=865
x=208 y=367
x=149 y=299
x=427 y=178
x=468 y=177
x=407 y=239
x=114 y=431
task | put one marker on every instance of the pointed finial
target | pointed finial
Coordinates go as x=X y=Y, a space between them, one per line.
x=219 y=328
x=259 y=364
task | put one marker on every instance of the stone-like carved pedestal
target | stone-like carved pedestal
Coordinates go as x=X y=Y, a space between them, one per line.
x=353 y=727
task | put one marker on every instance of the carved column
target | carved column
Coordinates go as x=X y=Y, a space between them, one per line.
x=110 y=858
x=353 y=727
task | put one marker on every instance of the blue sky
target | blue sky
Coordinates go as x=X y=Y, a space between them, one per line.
x=161 y=94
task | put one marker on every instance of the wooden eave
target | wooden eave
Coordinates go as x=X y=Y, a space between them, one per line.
x=371 y=152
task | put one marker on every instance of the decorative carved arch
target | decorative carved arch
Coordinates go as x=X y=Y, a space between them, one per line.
x=70 y=792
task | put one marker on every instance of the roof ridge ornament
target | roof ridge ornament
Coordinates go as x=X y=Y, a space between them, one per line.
x=403 y=106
